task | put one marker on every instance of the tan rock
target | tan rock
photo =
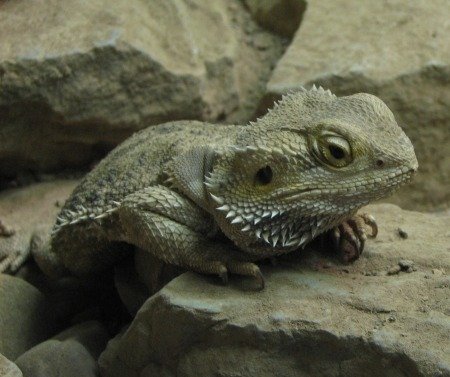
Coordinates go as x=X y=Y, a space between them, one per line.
x=280 y=16
x=397 y=50
x=315 y=317
x=24 y=316
x=8 y=368
x=76 y=78
x=30 y=213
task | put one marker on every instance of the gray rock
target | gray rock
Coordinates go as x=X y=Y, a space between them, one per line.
x=8 y=368
x=397 y=51
x=309 y=321
x=280 y=16
x=77 y=78
x=92 y=335
x=24 y=316
x=53 y=358
x=132 y=292
x=394 y=270
x=407 y=265
x=70 y=353
x=136 y=280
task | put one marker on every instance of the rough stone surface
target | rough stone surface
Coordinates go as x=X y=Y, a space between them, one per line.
x=54 y=359
x=8 y=368
x=30 y=212
x=78 y=77
x=280 y=16
x=315 y=317
x=396 y=50
x=71 y=353
x=132 y=292
x=140 y=277
x=92 y=335
x=24 y=317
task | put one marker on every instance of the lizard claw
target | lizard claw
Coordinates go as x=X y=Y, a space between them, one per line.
x=12 y=260
x=260 y=278
x=247 y=269
x=223 y=274
x=349 y=238
x=14 y=250
x=370 y=221
x=6 y=231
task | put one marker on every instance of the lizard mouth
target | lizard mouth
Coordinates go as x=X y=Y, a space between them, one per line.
x=396 y=177
x=291 y=194
x=285 y=225
x=391 y=181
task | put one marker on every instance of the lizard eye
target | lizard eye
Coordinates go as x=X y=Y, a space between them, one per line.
x=334 y=150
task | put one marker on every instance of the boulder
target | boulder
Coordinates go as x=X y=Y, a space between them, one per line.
x=279 y=16
x=54 y=359
x=71 y=353
x=24 y=316
x=132 y=292
x=77 y=78
x=91 y=334
x=397 y=51
x=8 y=368
x=314 y=318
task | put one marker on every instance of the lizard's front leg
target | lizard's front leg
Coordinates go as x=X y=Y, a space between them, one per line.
x=175 y=230
x=349 y=237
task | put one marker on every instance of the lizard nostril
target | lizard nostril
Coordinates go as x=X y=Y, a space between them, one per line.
x=380 y=163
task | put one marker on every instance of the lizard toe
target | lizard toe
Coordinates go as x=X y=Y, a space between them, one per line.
x=370 y=221
x=5 y=230
x=358 y=226
x=349 y=238
x=223 y=274
x=14 y=249
x=348 y=241
x=247 y=269
x=12 y=260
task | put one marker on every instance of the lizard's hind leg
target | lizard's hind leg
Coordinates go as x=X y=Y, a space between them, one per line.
x=83 y=249
x=175 y=230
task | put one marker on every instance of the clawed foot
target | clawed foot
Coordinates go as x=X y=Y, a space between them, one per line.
x=350 y=237
x=12 y=260
x=13 y=252
x=241 y=268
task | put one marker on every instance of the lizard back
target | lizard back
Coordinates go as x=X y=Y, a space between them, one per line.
x=137 y=163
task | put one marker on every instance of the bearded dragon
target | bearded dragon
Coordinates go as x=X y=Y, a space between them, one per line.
x=217 y=198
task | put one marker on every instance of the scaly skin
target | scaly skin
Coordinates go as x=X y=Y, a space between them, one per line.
x=215 y=199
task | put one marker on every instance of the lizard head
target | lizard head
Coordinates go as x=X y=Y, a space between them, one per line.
x=309 y=163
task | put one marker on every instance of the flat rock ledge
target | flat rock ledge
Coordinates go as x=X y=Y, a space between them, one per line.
x=385 y=315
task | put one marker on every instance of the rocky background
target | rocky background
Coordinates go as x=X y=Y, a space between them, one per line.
x=77 y=78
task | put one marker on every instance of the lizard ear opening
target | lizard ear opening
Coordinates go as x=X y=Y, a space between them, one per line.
x=264 y=175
